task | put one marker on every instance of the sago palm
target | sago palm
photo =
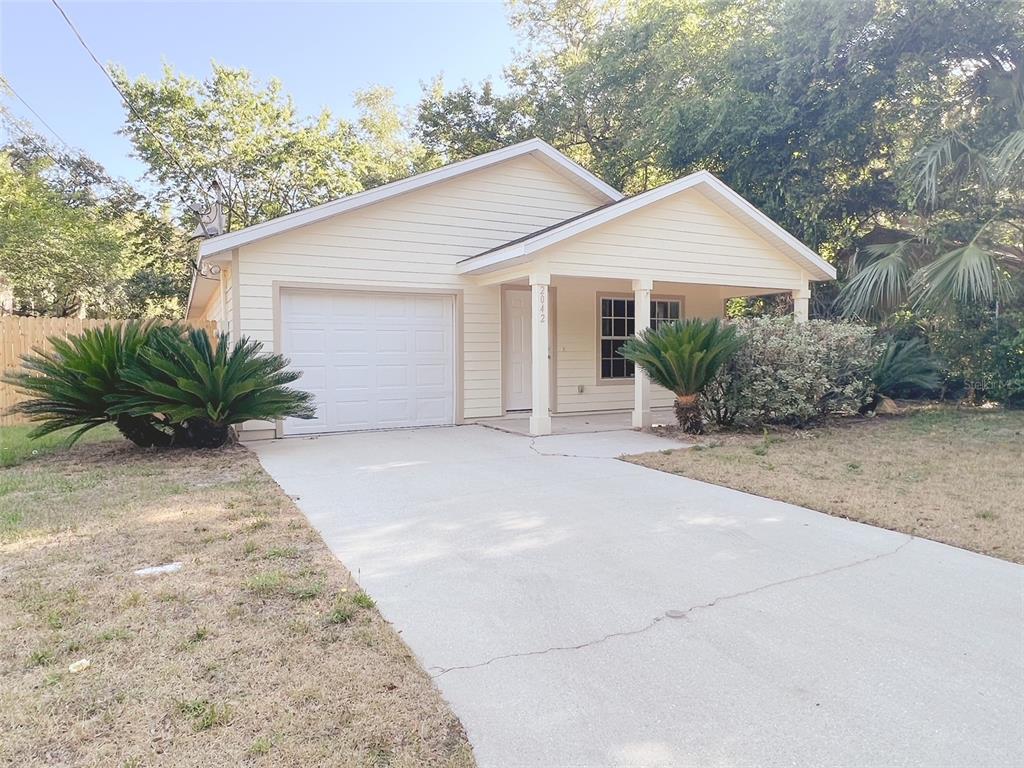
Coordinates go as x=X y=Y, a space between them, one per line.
x=683 y=357
x=906 y=367
x=206 y=387
x=68 y=386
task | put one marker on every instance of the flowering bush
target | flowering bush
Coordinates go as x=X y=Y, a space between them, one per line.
x=794 y=373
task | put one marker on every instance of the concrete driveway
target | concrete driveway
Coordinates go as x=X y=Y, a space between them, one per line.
x=577 y=610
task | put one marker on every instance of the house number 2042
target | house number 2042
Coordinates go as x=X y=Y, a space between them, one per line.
x=542 y=297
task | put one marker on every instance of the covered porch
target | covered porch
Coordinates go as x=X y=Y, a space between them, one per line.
x=572 y=294
x=560 y=371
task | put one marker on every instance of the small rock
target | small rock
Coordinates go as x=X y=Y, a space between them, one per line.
x=673 y=614
x=156 y=570
x=79 y=665
x=886 y=407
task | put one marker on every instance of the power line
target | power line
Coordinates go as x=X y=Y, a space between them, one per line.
x=41 y=144
x=8 y=86
x=34 y=139
x=131 y=107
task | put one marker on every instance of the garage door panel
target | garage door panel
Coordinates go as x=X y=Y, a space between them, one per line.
x=371 y=360
x=313 y=378
x=392 y=376
x=394 y=341
x=350 y=377
x=431 y=375
x=394 y=307
x=430 y=308
x=344 y=340
x=429 y=342
x=346 y=305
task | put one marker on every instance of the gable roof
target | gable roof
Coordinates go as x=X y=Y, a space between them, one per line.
x=523 y=248
x=536 y=147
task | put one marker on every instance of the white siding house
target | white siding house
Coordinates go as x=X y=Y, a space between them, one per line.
x=497 y=284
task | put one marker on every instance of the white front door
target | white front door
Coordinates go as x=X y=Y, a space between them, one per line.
x=517 y=362
x=372 y=360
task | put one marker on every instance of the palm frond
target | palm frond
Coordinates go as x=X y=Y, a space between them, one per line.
x=969 y=274
x=193 y=377
x=906 y=367
x=1009 y=154
x=683 y=356
x=883 y=283
x=68 y=385
x=930 y=163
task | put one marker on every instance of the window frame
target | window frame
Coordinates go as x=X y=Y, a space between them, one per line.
x=599 y=336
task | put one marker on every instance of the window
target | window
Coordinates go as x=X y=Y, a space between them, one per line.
x=617 y=325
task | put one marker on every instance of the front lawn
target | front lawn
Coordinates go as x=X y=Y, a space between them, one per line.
x=261 y=649
x=953 y=475
x=16 y=446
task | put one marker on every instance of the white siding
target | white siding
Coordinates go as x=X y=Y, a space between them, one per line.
x=576 y=340
x=229 y=304
x=414 y=241
x=683 y=238
x=214 y=309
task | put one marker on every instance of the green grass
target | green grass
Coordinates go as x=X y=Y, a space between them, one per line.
x=265 y=584
x=363 y=600
x=204 y=714
x=16 y=446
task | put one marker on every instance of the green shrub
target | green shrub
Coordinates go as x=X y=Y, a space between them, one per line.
x=683 y=356
x=160 y=386
x=70 y=385
x=983 y=354
x=1007 y=380
x=205 y=388
x=906 y=368
x=793 y=373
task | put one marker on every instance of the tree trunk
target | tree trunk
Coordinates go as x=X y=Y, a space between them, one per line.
x=688 y=414
x=203 y=433
x=143 y=432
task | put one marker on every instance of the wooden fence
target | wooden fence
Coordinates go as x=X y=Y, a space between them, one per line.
x=20 y=335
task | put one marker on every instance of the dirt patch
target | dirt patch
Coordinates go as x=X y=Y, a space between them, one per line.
x=953 y=475
x=261 y=649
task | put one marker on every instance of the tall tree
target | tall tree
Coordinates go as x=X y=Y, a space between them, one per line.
x=249 y=139
x=56 y=258
x=75 y=241
x=962 y=242
x=810 y=108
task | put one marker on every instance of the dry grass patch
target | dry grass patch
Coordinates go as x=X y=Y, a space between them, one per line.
x=260 y=650
x=956 y=476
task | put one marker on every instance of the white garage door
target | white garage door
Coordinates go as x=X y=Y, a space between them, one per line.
x=373 y=360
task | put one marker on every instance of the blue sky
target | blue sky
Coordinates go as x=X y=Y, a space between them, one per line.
x=322 y=52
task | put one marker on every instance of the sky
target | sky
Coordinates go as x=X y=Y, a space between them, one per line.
x=322 y=52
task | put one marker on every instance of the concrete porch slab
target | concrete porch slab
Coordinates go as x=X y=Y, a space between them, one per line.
x=573 y=423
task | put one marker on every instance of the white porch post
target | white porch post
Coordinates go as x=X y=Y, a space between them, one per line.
x=540 y=419
x=641 y=384
x=801 y=304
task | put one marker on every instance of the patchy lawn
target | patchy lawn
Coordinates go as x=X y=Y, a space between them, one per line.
x=261 y=650
x=16 y=446
x=956 y=476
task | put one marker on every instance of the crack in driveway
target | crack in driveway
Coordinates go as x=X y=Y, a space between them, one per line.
x=676 y=614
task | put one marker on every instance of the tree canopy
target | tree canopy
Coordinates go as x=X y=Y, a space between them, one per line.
x=75 y=241
x=248 y=138
x=887 y=134
x=818 y=111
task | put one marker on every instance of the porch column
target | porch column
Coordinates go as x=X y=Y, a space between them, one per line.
x=641 y=384
x=540 y=419
x=801 y=304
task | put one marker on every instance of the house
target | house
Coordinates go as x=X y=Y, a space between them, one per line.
x=502 y=283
